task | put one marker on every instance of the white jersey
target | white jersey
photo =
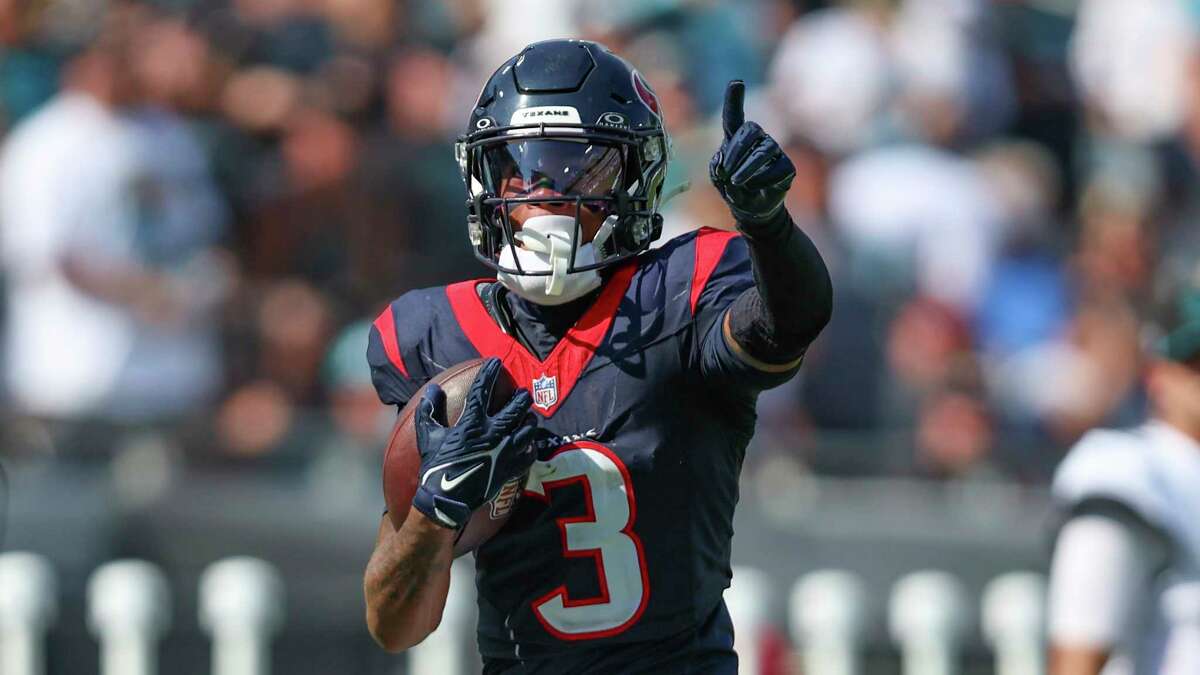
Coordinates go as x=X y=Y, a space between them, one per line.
x=1153 y=470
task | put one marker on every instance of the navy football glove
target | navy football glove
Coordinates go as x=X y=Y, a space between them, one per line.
x=750 y=170
x=464 y=466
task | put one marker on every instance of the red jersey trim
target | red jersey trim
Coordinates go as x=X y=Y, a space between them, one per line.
x=710 y=246
x=565 y=363
x=385 y=323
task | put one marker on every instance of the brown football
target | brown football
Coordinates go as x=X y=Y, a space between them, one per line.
x=402 y=461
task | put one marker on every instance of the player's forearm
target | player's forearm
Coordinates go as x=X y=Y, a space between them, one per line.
x=1067 y=660
x=406 y=582
x=792 y=298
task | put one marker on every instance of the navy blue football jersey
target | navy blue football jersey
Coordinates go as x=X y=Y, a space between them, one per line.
x=617 y=554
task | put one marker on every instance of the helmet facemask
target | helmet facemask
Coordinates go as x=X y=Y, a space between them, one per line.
x=607 y=180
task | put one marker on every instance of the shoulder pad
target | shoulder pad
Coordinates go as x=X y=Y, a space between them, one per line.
x=1112 y=464
x=393 y=347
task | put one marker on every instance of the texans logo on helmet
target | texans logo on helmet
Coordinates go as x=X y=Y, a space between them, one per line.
x=646 y=94
x=545 y=391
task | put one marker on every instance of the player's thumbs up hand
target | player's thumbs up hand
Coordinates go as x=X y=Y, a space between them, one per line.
x=750 y=170
x=733 y=115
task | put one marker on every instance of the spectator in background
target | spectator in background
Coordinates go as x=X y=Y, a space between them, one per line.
x=971 y=263
x=831 y=75
x=28 y=70
x=106 y=241
x=1026 y=300
x=66 y=174
x=409 y=170
x=930 y=222
x=360 y=426
x=913 y=214
x=283 y=330
x=954 y=438
x=953 y=79
x=311 y=223
x=180 y=224
x=1132 y=61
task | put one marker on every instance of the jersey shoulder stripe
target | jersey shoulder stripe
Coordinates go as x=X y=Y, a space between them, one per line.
x=385 y=323
x=709 y=249
x=414 y=338
x=692 y=278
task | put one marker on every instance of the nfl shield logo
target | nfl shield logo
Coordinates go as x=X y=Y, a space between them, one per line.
x=545 y=391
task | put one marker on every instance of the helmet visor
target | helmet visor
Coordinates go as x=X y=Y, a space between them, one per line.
x=541 y=167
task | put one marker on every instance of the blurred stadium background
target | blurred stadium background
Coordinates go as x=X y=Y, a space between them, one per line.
x=202 y=203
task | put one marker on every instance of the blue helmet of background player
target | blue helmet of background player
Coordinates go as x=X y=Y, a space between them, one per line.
x=570 y=128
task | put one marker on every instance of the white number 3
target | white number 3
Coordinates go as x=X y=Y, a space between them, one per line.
x=604 y=533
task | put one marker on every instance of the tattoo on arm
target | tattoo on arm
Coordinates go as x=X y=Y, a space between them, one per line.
x=408 y=576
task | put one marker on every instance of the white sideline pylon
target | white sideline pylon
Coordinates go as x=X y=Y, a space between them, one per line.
x=927 y=618
x=241 y=608
x=1013 y=618
x=28 y=607
x=129 y=610
x=443 y=652
x=748 y=598
x=828 y=615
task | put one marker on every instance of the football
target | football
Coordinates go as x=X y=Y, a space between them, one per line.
x=402 y=460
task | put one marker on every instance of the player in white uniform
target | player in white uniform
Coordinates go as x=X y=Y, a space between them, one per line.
x=1125 y=577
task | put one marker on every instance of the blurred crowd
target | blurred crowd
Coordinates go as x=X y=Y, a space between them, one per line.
x=202 y=203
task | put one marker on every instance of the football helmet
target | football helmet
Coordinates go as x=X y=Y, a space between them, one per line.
x=571 y=127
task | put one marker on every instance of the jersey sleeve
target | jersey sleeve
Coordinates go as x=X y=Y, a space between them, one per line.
x=393 y=352
x=721 y=273
x=1101 y=571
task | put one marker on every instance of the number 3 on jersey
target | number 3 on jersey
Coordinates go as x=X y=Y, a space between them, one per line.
x=604 y=533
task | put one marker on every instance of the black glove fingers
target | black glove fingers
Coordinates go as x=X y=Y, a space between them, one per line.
x=522 y=455
x=733 y=114
x=775 y=176
x=516 y=457
x=512 y=414
x=526 y=434
x=431 y=414
x=740 y=146
x=765 y=154
x=432 y=408
x=785 y=180
x=480 y=393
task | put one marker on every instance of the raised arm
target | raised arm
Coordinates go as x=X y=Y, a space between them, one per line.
x=770 y=325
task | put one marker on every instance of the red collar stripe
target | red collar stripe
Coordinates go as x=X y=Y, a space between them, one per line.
x=386 y=325
x=565 y=363
x=710 y=246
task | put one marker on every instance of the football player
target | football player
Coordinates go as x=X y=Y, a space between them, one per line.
x=1125 y=576
x=640 y=366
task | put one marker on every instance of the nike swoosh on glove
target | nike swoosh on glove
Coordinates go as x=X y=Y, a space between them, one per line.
x=464 y=466
x=750 y=170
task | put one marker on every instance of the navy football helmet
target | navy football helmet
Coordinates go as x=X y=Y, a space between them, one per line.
x=565 y=124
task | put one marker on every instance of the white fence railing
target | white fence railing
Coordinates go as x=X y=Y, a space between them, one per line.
x=241 y=608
